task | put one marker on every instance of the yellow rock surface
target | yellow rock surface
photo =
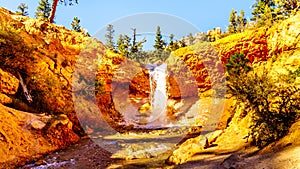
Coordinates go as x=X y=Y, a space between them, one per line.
x=8 y=83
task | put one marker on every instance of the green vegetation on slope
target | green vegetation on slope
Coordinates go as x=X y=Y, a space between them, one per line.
x=273 y=102
x=12 y=46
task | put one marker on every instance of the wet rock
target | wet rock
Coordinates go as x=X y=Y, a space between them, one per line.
x=151 y=67
x=40 y=162
x=37 y=124
x=143 y=150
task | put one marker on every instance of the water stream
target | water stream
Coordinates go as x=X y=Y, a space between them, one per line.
x=158 y=95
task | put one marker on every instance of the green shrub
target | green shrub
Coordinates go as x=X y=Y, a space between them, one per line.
x=293 y=75
x=238 y=64
x=150 y=56
x=11 y=45
x=274 y=106
x=99 y=84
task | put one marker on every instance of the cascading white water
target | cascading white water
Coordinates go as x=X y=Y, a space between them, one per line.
x=158 y=95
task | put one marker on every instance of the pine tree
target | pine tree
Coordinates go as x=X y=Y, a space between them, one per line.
x=171 y=39
x=134 y=47
x=268 y=17
x=140 y=44
x=182 y=42
x=267 y=11
x=232 y=27
x=43 y=10
x=23 y=10
x=172 y=45
x=110 y=37
x=264 y=12
x=127 y=44
x=287 y=7
x=159 y=43
x=176 y=45
x=75 y=25
x=54 y=5
x=121 y=45
x=191 y=39
x=242 y=21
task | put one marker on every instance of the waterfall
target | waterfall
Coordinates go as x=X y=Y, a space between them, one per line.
x=158 y=94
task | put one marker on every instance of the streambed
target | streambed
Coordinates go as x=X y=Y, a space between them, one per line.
x=130 y=152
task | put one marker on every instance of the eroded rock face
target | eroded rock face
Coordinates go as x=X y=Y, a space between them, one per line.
x=260 y=44
x=60 y=132
x=284 y=36
x=4 y=99
x=48 y=65
x=8 y=86
x=197 y=67
x=253 y=43
x=25 y=136
x=8 y=83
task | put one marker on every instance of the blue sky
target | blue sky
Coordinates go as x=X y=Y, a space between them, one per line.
x=204 y=14
x=199 y=15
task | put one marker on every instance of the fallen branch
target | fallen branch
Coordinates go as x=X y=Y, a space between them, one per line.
x=25 y=91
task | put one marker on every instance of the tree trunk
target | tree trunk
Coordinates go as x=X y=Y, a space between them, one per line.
x=293 y=4
x=53 y=11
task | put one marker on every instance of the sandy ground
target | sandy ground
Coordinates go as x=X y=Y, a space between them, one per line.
x=288 y=158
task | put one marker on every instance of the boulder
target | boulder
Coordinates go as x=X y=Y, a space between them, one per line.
x=60 y=133
x=37 y=124
x=192 y=146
